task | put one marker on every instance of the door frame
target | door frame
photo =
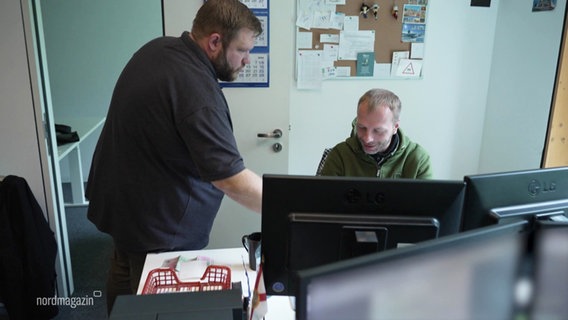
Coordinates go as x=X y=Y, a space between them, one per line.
x=555 y=152
x=35 y=44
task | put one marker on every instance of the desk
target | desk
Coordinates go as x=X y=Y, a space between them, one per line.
x=84 y=128
x=278 y=306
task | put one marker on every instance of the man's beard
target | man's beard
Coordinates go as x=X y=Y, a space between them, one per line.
x=223 y=69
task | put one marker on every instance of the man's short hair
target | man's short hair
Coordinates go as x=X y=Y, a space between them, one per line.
x=377 y=97
x=226 y=17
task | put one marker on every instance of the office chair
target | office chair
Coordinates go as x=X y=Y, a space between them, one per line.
x=322 y=161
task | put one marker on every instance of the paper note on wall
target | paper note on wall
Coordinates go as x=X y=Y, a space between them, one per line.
x=351 y=23
x=343 y=71
x=330 y=53
x=310 y=74
x=353 y=42
x=329 y=38
x=382 y=70
x=417 y=50
x=396 y=57
x=304 y=40
x=409 y=68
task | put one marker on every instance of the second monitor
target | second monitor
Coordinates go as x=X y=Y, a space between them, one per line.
x=534 y=194
x=309 y=221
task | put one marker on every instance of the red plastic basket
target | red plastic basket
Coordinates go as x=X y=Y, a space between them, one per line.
x=165 y=280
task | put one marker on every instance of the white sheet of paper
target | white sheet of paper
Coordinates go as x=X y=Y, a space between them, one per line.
x=322 y=19
x=409 y=68
x=309 y=69
x=343 y=72
x=304 y=40
x=382 y=70
x=329 y=72
x=337 y=21
x=416 y=50
x=330 y=52
x=351 y=23
x=329 y=38
x=192 y=270
x=396 y=57
x=352 y=42
x=304 y=20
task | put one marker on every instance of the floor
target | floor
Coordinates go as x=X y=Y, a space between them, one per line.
x=90 y=252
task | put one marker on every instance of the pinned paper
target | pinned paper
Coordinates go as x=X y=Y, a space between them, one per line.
x=396 y=57
x=416 y=50
x=329 y=38
x=309 y=72
x=304 y=40
x=382 y=70
x=343 y=71
x=409 y=68
x=330 y=52
x=352 y=42
x=365 y=64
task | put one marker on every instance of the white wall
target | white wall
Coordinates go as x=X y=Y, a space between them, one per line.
x=521 y=86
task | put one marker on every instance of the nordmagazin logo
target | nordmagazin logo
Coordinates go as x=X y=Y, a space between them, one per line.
x=72 y=302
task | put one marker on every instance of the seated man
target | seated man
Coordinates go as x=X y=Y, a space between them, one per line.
x=377 y=147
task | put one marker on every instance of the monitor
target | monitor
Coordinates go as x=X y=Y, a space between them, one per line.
x=471 y=275
x=309 y=221
x=527 y=194
x=550 y=288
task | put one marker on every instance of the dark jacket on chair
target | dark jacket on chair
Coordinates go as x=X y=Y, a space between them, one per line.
x=27 y=253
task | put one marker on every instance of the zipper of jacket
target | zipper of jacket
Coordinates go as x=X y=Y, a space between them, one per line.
x=379 y=165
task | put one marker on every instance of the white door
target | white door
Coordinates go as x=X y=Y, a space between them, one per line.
x=254 y=111
x=250 y=117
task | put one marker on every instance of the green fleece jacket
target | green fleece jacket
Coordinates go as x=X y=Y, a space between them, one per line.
x=409 y=160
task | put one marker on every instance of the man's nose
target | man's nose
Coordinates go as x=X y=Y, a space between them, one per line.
x=367 y=137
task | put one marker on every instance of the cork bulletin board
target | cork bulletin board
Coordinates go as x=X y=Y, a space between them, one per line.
x=394 y=26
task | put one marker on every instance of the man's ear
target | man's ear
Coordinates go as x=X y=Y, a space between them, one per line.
x=214 y=43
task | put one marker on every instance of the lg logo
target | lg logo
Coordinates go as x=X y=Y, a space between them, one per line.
x=355 y=196
x=536 y=187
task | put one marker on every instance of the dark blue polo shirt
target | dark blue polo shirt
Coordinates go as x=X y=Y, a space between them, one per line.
x=167 y=135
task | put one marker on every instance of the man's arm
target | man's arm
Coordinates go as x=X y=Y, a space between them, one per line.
x=244 y=187
x=424 y=170
x=332 y=165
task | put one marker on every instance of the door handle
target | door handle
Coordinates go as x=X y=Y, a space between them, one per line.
x=277 y=133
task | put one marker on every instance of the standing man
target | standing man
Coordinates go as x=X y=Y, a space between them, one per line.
x=377 y=147
x=167 y=154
